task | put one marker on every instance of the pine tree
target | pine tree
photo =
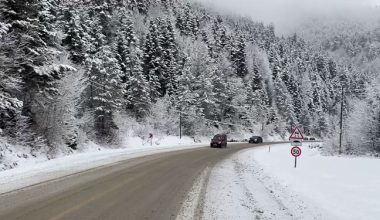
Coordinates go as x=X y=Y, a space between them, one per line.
x=170 y=55
x=203 y=68
x=269 y=37
x=224 y=94
x=126 y=40
x=105 y=77
x=257 y=81
x=35 y=49
x=187 y=22
x=105 y=84
x=153 y=60
x=275 y=62
x=372 y=124
x=284 y=102
x=74 y=40
x=142 y=6
x=238 y=57
x=137 y=93
x=10 y=105
x=220 y=36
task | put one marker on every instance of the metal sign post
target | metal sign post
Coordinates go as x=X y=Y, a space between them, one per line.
x=151 y=139
x=296 y=152
x=180 y=125
x=296 y=138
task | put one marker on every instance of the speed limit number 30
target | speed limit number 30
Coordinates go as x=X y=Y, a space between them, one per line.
x=296 y=151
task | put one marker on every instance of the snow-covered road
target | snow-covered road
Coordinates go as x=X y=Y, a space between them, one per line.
x=258 y=184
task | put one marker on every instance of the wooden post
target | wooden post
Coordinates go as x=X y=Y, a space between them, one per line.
x=180 y=125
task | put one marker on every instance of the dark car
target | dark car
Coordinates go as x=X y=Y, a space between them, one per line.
x=219 y=140
x=255 y=140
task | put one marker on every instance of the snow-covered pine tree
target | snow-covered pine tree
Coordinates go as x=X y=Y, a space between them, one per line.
x=257 y=100
x=223 y=93
x=142 y=6
x=136 y=88
x=203 y=69
x=34 y=52
x=75 y=36
x=105 y=85
x=275 y=62
x=126 y=38
x=284 y=103
x=220 y=36
x=10 y=106
x=185 y=100
x=105 y=80
x=137 y=93
x=153 y=60
x=170 y=56
x=372 y=121
x=238 y=57
x=187 y=22
x=269 y=37
x=230 y=94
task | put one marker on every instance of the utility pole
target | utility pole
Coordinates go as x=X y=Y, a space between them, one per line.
x=180 y=125
x=341 y=121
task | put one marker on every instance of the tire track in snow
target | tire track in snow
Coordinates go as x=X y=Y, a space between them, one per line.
x=193 y=203
x=238 y=188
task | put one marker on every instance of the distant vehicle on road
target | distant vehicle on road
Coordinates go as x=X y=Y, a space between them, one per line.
x=255 y=140
x=309 y=138
x=219 y=140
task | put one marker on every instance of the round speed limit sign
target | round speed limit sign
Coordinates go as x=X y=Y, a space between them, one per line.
x=296 y=151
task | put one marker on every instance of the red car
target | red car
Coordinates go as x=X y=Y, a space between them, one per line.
x=219 y=140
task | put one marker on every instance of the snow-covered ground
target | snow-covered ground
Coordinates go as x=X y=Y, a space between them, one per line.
x=33 y=170
x=258 y=184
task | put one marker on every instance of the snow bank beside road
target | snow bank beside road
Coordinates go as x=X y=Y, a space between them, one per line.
x=37 y=171
x=346 y=188
x=260 y=184
x=238 y=189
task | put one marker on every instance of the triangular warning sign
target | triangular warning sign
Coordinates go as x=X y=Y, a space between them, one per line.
x=296 y=134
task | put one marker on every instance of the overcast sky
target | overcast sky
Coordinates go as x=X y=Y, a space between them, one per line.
x=287 y=14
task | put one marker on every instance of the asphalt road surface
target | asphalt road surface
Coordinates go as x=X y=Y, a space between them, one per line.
x=150 y=187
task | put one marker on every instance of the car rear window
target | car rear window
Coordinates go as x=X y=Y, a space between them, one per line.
x=218 y=137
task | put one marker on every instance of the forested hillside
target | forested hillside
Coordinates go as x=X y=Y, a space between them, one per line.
x=354 y=42
x=77 y=71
